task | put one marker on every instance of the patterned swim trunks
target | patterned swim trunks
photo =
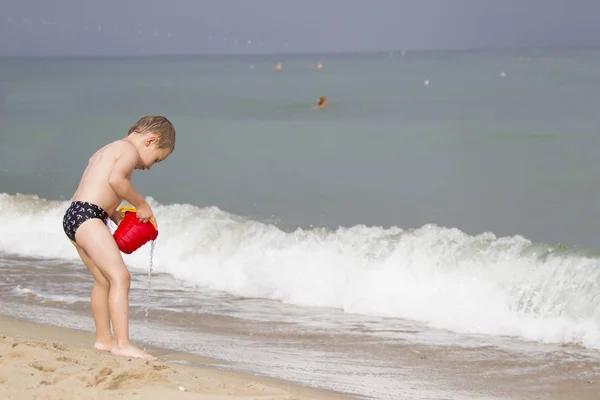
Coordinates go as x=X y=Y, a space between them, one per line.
x=79 y=212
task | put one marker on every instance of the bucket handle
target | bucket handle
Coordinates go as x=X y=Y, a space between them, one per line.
x=125 y=209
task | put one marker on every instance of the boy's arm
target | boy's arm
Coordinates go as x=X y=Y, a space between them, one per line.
x=118 y=178
x=116 y=217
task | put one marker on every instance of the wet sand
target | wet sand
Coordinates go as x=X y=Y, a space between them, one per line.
x=48 y=362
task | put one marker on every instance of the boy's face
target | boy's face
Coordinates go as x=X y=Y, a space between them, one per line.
x=151 y=153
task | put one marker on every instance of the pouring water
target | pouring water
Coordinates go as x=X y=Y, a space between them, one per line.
x=150 y=266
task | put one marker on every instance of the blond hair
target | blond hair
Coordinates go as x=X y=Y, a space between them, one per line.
x=159 y=125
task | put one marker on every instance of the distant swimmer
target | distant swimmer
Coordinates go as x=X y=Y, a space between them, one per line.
x=278 y=67
x=322 y=104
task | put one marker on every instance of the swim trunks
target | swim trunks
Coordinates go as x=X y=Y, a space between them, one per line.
x=79 y=212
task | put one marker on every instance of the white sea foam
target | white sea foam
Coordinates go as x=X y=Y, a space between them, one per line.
x=444 y=277
x=44 y=297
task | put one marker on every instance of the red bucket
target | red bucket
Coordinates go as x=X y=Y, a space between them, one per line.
x=131 y=234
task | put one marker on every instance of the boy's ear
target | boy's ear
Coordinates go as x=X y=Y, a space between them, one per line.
x=151 y=140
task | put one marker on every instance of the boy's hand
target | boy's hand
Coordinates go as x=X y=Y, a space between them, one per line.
x=144 y=213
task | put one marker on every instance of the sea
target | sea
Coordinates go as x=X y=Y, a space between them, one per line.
x=433 y=234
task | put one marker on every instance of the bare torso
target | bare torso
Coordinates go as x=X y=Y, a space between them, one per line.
x=94 y=186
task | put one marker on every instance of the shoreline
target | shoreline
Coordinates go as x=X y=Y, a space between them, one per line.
x=291 y=362
x=50 y=362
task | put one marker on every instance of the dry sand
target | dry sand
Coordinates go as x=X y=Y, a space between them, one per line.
x=51 y=363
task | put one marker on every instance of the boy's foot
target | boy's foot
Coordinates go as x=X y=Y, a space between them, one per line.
x=103 y=345
x=130 y=350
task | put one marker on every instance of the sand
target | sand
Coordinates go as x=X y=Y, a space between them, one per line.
x=48 y=362
x=51 y=363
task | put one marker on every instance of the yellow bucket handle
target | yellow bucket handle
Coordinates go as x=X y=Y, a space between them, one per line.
x=125 y=209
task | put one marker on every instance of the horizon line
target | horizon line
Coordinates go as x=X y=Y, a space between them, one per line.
x=499 y=49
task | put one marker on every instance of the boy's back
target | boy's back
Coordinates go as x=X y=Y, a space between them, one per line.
x=94 y=186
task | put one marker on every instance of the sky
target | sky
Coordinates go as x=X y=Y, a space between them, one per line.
x=147 y=27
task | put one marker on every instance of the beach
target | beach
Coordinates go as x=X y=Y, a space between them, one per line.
x=48 y=362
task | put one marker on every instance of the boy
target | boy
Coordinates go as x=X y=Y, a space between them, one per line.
x=104 y=184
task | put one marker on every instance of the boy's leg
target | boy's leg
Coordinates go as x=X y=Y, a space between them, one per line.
x=95 y=238
x=99 y=303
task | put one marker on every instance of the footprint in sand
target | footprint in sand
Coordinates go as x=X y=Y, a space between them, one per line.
x=67 y=360
x=44 y=368
x=128 y=379
x=100 y=377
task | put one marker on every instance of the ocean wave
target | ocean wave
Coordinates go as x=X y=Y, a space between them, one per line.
x=440 y=276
